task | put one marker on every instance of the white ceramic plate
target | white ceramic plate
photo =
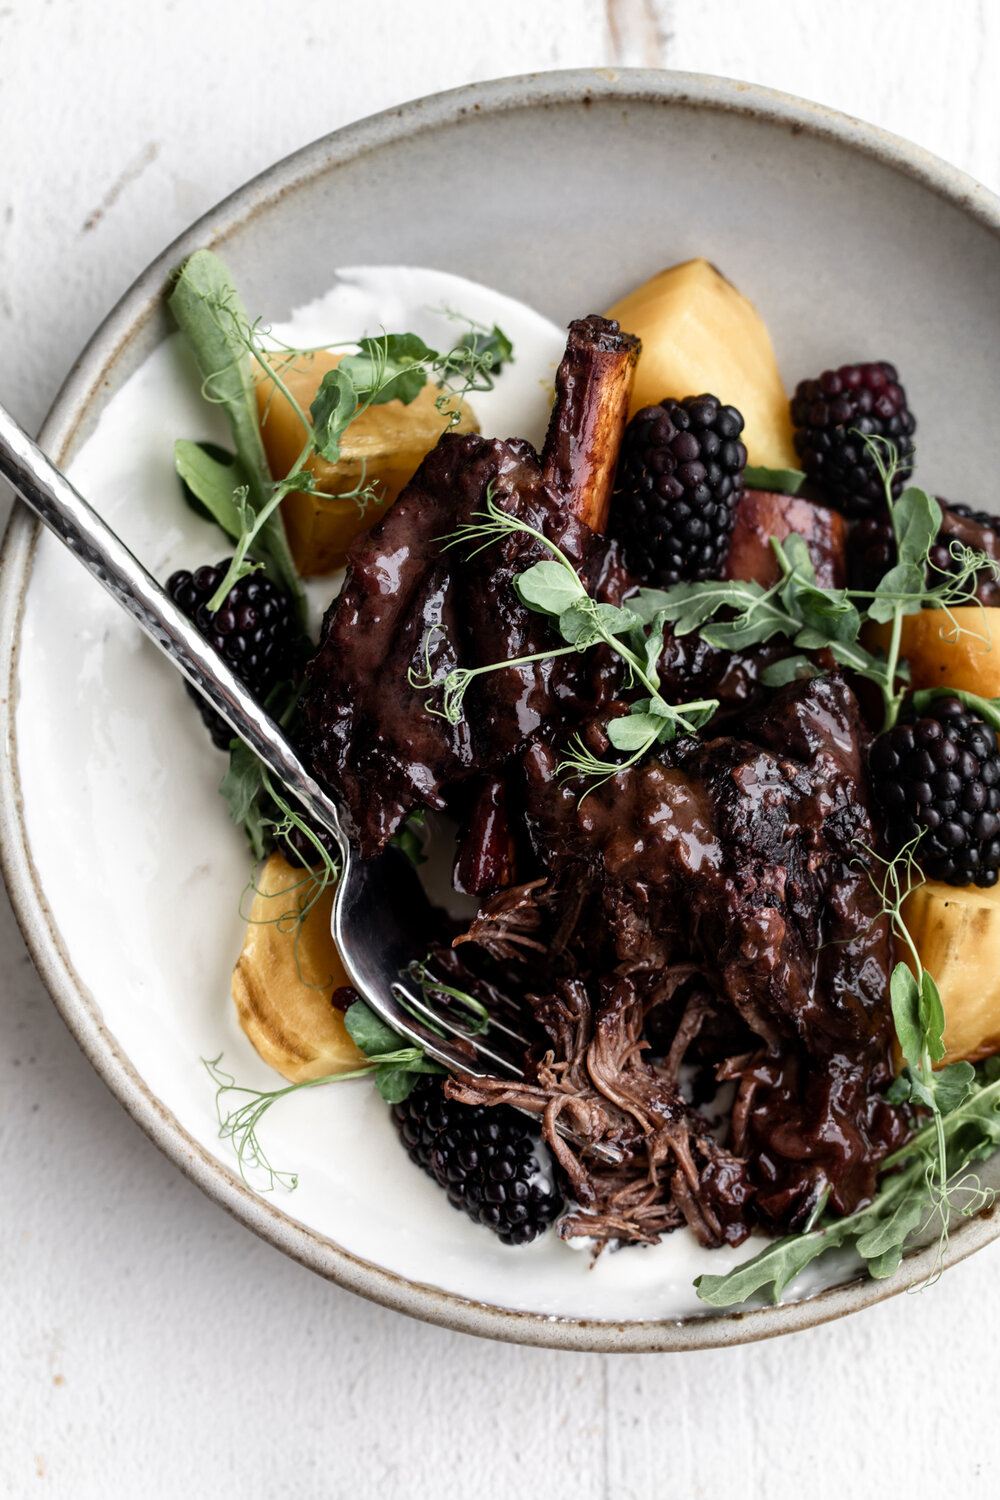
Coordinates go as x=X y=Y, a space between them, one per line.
x=562 y=191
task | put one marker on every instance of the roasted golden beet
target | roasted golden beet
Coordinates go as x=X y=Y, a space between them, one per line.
x=286 y=974
x=957 y=649
x=957 y=934
x=384 y=445
x=700 y=334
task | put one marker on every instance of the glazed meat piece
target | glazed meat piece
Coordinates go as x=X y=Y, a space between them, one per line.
x=763 y=515
x=737 y=870
x=412 y=610
x=975 y=529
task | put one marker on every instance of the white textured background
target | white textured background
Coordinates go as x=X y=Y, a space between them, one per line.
x=149 y=1346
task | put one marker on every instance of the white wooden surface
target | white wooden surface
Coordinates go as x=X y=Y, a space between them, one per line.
x=150 y=1346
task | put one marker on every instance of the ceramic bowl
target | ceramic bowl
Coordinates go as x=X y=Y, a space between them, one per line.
x=563 y=190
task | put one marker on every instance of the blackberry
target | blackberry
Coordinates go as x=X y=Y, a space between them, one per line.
x=938 y=776
x=828 y=415
x=483 y=1158
x=254 y=631
x=872 y=551
x=679 y=482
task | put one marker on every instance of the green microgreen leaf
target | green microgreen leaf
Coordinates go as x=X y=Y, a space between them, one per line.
x=230 y=351
x=409 y=838
x=916 y=520
x=389 y=368
x=789 y=669
x=931 y=1011
x=549 y=588
x=904 y=993
x=952 y=1084
x=332 y=411
x=734 y=615
x=239 y=1125
x=208 y=309
x=482 y=350
x=369 y=1034
x=777 y=481
x=213 y=483
x=553 y=587
x=396 y=1081
x=243 y=781
x=635 y=731
x=904 y=579
x=586 y=622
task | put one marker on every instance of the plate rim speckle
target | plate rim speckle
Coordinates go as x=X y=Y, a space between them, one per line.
x=80 y=393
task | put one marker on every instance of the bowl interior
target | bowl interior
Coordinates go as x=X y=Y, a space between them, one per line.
x=565 y=193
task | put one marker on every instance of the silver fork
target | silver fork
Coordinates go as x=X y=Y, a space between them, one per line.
x=381 y=916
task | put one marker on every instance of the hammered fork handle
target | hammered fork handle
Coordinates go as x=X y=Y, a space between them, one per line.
x=65 y=512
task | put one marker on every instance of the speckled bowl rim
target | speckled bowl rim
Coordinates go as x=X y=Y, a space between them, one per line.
x=78 y=1008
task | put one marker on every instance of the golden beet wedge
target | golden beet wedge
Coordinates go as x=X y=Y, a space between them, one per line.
x=956 y=650
x=286 y=974
x=699 y=334
x=956 y=930
x=384 y=445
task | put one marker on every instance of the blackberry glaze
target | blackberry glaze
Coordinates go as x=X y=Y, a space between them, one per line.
x=828 y=415
x=679 y=482
x=484 y=1159
x=254 y=631
x=938 y=777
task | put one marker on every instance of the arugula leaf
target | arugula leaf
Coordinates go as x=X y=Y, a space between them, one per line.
x=794 y=556
x=882 y=1245
x=777 y=481
x=774 y=1267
